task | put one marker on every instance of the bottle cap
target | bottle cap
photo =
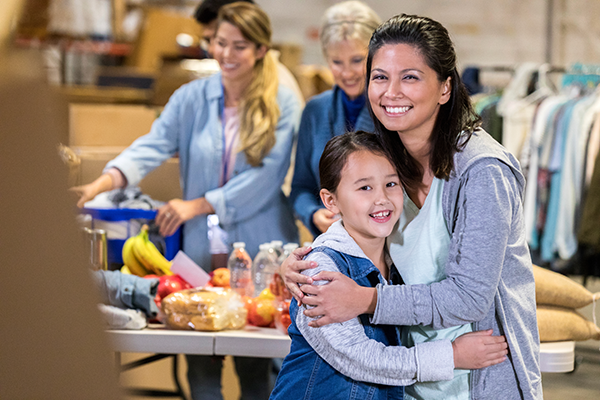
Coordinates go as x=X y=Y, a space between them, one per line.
x=238 y=245
x=290 y=246
x=276 y=243
x=264 y=246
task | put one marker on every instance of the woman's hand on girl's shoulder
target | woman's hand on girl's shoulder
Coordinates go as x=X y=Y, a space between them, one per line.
x=291 y=269
x=339 y=300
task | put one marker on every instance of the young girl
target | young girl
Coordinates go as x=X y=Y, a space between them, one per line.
x=359 y=182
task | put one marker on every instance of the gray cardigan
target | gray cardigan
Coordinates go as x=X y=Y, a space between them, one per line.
x=489 y=274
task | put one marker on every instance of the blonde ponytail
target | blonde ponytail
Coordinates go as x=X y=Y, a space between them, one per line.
x=258 y=109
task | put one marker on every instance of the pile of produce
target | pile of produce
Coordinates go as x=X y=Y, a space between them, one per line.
x=204 y=308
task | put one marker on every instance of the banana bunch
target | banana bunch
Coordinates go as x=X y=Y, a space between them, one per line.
x=142 y=257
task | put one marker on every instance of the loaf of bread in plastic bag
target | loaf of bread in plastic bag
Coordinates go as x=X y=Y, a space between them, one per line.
x=204 y=309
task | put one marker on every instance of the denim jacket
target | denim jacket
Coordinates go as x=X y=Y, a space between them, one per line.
x=322 y=118
x=251 y=206
x=127 y=291
x=305 y=375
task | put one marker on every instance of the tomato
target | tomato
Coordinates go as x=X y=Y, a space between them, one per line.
x=282 y=316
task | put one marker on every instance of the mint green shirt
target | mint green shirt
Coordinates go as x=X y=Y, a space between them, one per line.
x=421 y=242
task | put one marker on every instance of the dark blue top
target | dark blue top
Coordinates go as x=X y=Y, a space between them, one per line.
x=352 y=109
x=323 y=118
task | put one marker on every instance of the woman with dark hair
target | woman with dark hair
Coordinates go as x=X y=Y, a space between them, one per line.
x=360 y=183
x=460 y=243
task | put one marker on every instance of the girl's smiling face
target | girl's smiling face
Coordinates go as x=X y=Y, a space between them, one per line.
x=369 y=196
x=404 y=92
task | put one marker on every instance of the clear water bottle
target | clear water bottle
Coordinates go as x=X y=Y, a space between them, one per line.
x=288 y=248
x=277 y=245
x=263 y=268
x=240 y=270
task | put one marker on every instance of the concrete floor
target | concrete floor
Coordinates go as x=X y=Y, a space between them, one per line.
x=584 y=382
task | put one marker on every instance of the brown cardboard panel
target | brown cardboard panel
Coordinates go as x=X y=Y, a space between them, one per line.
x=109 y=124
x=53 y=341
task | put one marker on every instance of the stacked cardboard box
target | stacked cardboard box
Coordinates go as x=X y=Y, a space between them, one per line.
x=99 y=132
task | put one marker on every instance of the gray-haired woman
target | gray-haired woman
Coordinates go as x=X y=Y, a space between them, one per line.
x=345 y=31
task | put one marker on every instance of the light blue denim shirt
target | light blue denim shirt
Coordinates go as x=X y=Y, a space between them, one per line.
x=251 y=206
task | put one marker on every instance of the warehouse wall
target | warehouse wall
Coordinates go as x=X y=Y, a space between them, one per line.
x=485 y=32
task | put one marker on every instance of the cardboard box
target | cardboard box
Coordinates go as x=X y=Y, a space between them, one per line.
x=314 y=79
x=172 y=75
x=109 y=124
x=157 y=37
x=161 y=184
x=290 y=55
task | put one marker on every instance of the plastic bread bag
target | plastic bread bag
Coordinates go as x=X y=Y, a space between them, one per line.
x=204 y=309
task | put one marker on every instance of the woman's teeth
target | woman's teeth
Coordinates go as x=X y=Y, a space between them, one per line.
x=396 y=110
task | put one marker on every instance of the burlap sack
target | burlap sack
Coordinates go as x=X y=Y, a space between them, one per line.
x=559 y=324
x=552 y=288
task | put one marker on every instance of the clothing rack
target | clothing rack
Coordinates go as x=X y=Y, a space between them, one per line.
x=511 y=69
x=557 y=245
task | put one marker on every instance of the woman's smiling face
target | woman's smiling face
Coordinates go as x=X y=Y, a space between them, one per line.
x=236 y=54
x=347 y=61
x=404 y=92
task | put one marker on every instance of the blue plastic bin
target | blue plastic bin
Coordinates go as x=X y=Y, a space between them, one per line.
x=128 y=216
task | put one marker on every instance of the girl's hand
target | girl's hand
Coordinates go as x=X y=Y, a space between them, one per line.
x=174 y=213
x=290 y=272
x=479 y=349
x=323 y=218
x=339 y=300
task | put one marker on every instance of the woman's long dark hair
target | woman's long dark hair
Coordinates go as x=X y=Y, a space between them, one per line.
x=456 y=119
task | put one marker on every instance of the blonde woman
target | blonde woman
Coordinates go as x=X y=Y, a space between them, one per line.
x=345 y=31
x=233 y=132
